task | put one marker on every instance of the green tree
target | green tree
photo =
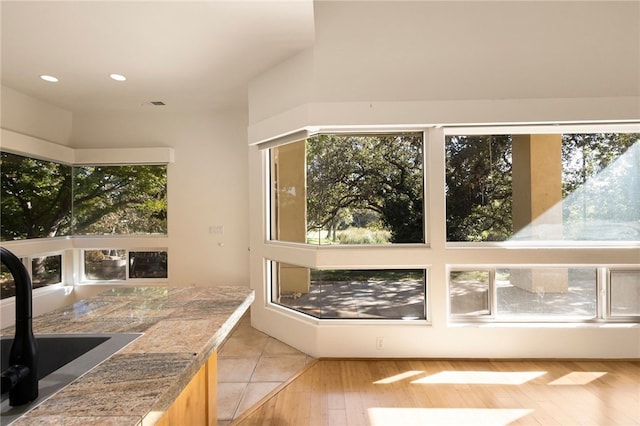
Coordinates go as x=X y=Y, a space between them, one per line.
x=357 y=175
x=35 y=198
x=478 y=188
x=478 y=185
x=120 y=199
x=401 y=188
x=601 y=185
x=586 y=155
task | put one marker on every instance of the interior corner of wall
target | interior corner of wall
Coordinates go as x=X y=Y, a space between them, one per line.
x=284 y=123
x=30 y=116
x=282 y=87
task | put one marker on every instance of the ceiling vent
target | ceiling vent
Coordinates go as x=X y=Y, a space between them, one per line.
x=157 y=103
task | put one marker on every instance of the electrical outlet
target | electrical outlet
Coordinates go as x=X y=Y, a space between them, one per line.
x=216 y=229
x=379 y=341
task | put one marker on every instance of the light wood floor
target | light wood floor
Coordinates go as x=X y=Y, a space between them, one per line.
x=431 y=392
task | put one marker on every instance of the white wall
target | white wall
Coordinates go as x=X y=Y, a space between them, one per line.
x=207 y=185
x=386 y=64
x=429 y=50
x=24 y=114
x=433 y=63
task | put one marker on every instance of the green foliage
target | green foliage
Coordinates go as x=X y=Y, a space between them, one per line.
x=366 y=181
x=35 y=198
x=585 y=155
x=120 y=199
x=365 y=275
x=478 y=188
x=598 y=198
x=363 y=236
x=469 y=276
x=601 y=186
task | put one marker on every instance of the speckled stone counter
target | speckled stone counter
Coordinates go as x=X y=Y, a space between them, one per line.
x=181 y=328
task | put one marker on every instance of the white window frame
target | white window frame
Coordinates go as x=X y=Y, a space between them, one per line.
x=607 y=303
x=436 y=255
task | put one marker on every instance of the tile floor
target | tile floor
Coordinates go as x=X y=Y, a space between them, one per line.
x=251 y=365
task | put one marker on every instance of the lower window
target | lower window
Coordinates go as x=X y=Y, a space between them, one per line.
x=148 y=264
x=469 y=292
x=544 y=293
x=350 y=293
x=105 y=265
x=45 y=271
x=111 y=264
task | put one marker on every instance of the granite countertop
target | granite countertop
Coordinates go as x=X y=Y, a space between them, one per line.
x=181 y=328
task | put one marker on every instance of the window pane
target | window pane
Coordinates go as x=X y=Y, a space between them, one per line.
x=46 y=270
x=572 y=187
x=545 y=292
x=469 y=292
x=625 y=293
x=601 y=187
x=7 y=282
x=349 y=189
x=478 y=188
x=148 y=264
x=361 y=294
x=35 y=198
x=120 y=200
x=105 y=265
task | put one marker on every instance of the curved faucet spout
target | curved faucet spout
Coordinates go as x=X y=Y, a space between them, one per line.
x=22 y=375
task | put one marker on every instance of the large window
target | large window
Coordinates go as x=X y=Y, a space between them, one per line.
x=120 y=200
x=343 y=190
x=542 y=189
x=349 y=293
x=508 y=199
x=43 y=199
x=35 y=198
x=349 y=189
x=571 y=187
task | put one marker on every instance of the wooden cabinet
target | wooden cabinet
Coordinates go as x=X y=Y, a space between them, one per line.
x=196 y=405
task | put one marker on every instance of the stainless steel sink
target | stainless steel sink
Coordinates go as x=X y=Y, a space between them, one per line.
x=63 y=358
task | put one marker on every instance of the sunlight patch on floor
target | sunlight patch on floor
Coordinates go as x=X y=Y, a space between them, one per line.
x=481 y=377
x=445 y=416
x=578 y=378
x=398 y=377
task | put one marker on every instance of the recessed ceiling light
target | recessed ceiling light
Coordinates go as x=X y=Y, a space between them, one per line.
x=49 y=78
x=118 y=77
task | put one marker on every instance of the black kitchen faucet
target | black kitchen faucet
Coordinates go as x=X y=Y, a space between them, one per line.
x=21 y=378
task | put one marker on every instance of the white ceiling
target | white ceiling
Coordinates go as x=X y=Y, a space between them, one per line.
x=191 y=55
